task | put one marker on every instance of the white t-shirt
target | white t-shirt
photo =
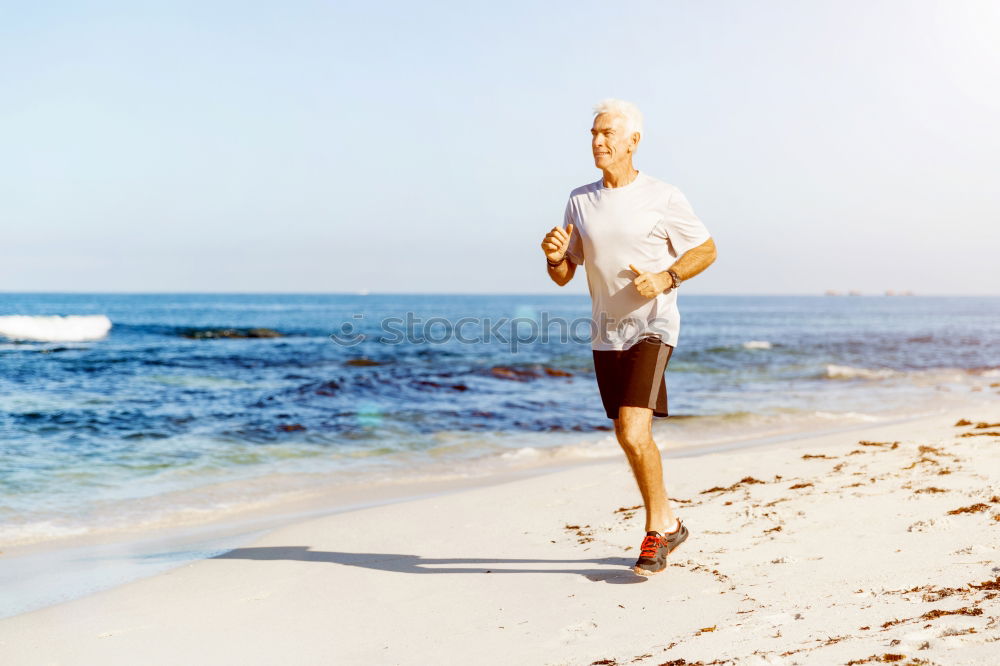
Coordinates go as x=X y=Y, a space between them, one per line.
x=647 y=223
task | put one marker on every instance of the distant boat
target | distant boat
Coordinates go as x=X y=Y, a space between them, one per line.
x=363 y=292
x=854 y=292
x=831 y=292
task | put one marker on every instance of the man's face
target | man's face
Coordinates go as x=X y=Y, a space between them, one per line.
x=608 y=141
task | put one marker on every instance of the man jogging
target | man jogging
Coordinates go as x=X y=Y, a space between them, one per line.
x=639 y=239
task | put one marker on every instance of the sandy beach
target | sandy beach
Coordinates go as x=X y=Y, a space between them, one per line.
x=877 y=545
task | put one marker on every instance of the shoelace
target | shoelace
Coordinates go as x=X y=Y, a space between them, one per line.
x=649 y=546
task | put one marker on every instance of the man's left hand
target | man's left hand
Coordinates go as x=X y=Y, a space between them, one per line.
x=649 y=285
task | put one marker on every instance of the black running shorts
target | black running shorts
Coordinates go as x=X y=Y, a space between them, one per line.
x=633 y=377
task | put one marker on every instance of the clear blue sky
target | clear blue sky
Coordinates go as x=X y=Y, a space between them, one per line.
x=401 y=147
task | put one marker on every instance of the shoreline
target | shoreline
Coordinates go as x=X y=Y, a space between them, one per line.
x=284 y=494
x=128 y=556
x=125 y=555
x=771 y=574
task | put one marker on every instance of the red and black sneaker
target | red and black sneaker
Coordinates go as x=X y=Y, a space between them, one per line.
x=655 y=548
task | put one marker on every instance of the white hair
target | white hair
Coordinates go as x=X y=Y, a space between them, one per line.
x=633 y=117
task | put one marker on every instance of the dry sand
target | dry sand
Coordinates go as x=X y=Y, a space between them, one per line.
x=878 y=545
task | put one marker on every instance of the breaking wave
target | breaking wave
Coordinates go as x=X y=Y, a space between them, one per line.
x=55 y=328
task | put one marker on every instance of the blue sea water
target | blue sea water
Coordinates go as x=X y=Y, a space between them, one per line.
x=164 y=407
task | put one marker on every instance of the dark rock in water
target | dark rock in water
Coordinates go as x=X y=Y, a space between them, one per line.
x=361 y=362
x=209 y=333
x=328 y=388
x=291 y=427
x=263 y=333
x=504 y=372
x=524 y=374
x=453 y=387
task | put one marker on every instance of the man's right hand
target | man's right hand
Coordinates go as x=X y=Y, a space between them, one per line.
x=556 y=243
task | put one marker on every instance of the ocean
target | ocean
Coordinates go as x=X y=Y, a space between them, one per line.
x=185 y=406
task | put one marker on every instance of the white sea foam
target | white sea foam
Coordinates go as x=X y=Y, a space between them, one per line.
x=41 y=530
x=756 y=344
x=850 y=372
x=849 y=416
x=54 y=328
x=527 y=452
x=585 y=449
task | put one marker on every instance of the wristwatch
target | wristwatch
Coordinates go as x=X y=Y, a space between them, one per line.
x=676 y=278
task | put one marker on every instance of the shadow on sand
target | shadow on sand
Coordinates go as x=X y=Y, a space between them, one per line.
x=415 y=564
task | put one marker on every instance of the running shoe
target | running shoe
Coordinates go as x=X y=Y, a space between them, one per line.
x=655 y=548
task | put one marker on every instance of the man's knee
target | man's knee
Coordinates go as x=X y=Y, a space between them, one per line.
x=633 y=429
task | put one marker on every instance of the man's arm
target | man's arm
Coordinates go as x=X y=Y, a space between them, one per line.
x=555 y=246
x=688 y=265
x=693 y=261
x=562 y=273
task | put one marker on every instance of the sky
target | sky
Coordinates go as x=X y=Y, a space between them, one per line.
x=428 y=147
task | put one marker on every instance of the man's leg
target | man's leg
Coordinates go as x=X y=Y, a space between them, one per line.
x=634 y=430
